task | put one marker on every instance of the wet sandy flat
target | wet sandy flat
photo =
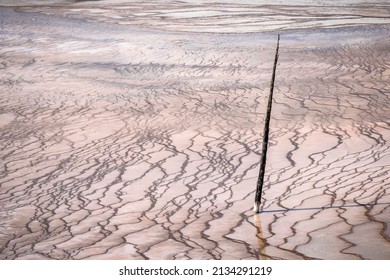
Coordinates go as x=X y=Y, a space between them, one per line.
x=134 y=131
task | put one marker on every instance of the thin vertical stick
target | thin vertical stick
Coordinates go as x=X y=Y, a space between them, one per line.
x=260 y=181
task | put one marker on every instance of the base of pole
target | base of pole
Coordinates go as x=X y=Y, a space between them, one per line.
x=256 y=207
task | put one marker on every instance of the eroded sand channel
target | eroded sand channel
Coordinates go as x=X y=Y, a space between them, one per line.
x=131 y=141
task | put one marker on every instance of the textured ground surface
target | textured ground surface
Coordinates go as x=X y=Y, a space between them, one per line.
x=134 y=130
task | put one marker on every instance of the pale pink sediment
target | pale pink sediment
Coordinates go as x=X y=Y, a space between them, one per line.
x=132 y=142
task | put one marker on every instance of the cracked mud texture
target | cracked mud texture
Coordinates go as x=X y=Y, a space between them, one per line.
x=133 y=130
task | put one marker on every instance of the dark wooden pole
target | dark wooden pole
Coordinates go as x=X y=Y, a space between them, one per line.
x=260 y=180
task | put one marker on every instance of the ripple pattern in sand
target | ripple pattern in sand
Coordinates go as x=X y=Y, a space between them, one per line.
x=130 y=143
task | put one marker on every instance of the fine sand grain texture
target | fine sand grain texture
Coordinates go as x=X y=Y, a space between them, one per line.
x=133 y=130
